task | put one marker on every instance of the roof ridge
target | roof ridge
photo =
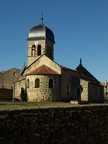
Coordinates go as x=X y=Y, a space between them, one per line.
x=40 y=68
x=43 y=69
x=82 y=70
x=47 y=68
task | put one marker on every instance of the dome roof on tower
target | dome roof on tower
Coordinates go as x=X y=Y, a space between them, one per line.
x=40 y=32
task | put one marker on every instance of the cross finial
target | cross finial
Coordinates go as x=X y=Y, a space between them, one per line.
x=80 y=61
x=41 y=19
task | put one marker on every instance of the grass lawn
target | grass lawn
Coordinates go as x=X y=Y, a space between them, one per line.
x=13 y=105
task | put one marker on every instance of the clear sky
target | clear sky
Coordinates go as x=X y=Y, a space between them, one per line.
x=80 y=28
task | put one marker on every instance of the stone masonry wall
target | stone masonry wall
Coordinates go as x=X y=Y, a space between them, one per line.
x=43 y=93
x=70 y=77
x=45 y=61
x=95 y=93
x=17 y=89
x=31 y=59
x=44 y=44
x=8 y=77
x=73 y=125
x=84 y=92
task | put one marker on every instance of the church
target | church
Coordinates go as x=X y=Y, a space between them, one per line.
x=43 y=79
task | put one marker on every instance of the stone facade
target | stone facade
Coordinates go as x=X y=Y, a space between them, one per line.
x=44 y=60
x=6 y=83
x=73 y=125
x=8 y=77
x=44 y=93
x=95 y=93
x=70 y=84
x=105 y=85
x=45 y=44
x=17 y=89
x=84 y=91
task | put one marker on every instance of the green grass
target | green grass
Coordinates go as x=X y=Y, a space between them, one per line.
x=14 y=105
x=28 y=105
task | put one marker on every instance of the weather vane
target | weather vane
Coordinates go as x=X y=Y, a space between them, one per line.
x=41 y=17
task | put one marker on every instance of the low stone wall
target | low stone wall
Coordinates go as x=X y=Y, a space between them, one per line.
x=73 y=125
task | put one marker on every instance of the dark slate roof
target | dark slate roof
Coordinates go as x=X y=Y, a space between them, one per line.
x=66 y=68
x=22 y=70
x=40 y=32
x=42 y=70
x=84 y=72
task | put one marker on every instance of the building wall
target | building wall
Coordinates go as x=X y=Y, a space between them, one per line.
x=17 y=89
x=8 y=77
x=73 y=125
x=50 y=44
x=105 y=84
x=84 y=90
x=69 y=85
x=44 y=45
x=48 y=62
x=31 y=59
x=43 y=93
x=95 y=92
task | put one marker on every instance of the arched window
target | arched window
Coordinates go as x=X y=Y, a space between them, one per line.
x=37 y=83
x=68 y=88
x=50 y=83
x=27 y=83
x=33 y=51
x=39 y=50
x=22 y=90
x=78 y=92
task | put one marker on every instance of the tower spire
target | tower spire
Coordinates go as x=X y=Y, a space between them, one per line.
x=41 y=19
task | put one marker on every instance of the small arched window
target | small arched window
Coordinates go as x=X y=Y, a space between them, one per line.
x=27 y=83
x=39 y=50
x=33 y=51
x=37 y=83
x=22 y=90
x=68 y=88
x=50 y=83
x=78 y=92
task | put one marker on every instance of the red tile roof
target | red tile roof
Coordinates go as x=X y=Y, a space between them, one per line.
x=42 y=70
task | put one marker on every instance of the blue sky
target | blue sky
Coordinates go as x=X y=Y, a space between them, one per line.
x=80 y=28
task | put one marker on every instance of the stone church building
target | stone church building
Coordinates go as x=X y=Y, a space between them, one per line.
x=43 y=79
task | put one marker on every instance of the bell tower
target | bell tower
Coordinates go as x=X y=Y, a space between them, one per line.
x=40 y=42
